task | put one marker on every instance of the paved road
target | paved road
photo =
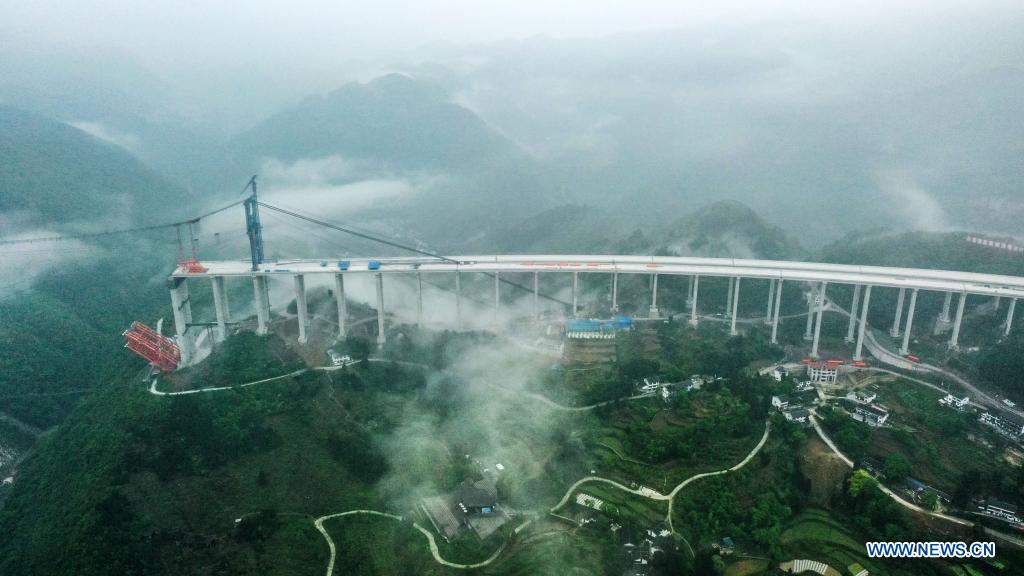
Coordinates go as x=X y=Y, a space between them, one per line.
x=909 y=505
x=883 y=354
x=153 y=390
x=925 y=279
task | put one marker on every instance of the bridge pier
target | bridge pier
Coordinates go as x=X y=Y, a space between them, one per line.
x=300 y=305
x=689 y=290
x=808 y=330
x=775 y=319
x=943 y=321
x=339 y=297
x=853 y=314
x=944 y=316
x=905 y=348
x=181 y=305
x=863 y=324
x=954 y=339
x=1009 y=316
x=615 y=292
x=220 y=306
x=419 y=300
x=895 y=331
x=575 y=293
x=536 y=295
x=380 y=310
x=735 y=305
x=728 y=294
x=262 y=297
x=817 y=321
x=654 y=296
x=458 y=300
x=771 y=298
x=497 y=296
x=693 y=301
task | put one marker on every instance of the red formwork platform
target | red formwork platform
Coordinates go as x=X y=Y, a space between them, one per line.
x=159 y=350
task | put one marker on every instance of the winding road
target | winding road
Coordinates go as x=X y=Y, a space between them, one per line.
x=909 y=505
x=670 y=497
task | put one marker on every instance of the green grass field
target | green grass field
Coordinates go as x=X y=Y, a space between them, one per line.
x=815 y=535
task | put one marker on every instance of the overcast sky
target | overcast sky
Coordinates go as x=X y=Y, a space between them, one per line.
x=172 y=36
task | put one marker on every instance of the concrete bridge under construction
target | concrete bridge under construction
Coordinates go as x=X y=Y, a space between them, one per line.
x=779 y=274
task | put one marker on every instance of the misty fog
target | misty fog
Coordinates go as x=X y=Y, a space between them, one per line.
x=824 y=120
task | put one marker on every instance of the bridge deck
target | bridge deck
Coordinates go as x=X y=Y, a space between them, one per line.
x=924 y=279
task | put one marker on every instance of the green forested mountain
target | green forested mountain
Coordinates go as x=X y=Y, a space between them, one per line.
x=64 y=305
x=60 y=175
x=725 y=229
x=466 y=177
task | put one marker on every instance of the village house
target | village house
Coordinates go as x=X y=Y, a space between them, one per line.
x=1001 y=509
x=798 y=415
x=1005 y=425
x=872 y=414
x=958 y=404
x=864 y=397
x=823 y=372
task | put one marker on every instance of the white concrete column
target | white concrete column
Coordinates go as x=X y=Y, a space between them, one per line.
x=536 y=294
x=1009 y=316
x=182 y=309
x=904 y=350
x=615 y=292
x=689 y=290
x=419 y=299
x=458 y=300
x=497 y=295
x=775 y=316
x=808 y=331
x=944 y=316
x=260 y=295
x=654 y=296
x=339 y=297
x=954 y=339
x=693 y=302
x=817 y=321
x=996 y=301
x=575 y=293
x=300 y=305
x=895 y=331
x=735 y=305
x=853 y=314
x=220 y=306
x=728 y=295
x=771 y=300
x=863 y=324
x=380 y=310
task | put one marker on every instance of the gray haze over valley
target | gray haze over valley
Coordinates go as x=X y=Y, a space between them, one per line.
x=824 y=121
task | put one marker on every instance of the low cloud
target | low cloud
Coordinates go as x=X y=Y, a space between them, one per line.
x=129 y=142
x=915 y=206
x=29 y=261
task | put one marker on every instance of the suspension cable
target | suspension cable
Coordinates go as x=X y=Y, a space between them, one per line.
x=66 y=237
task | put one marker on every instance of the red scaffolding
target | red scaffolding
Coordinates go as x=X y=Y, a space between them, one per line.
x=159 y=350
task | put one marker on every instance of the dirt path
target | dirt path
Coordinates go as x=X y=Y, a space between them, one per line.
x=652 y=494
x=319 y=523
x=431 y=542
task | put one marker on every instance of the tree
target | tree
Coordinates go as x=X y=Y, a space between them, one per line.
x=931 y=501
x=859 y=482
x=896 y=467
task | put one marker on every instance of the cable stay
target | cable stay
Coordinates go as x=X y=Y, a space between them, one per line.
x=395 y=244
